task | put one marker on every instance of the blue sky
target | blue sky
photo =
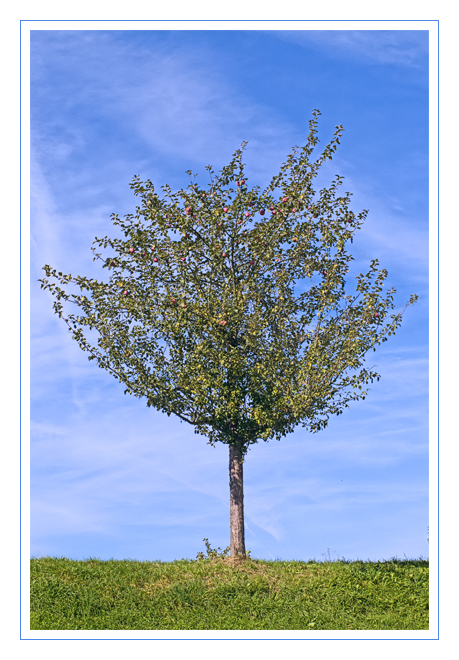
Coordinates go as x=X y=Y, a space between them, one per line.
x=111 y=478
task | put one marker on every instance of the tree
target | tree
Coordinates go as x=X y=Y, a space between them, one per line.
x=226 y=306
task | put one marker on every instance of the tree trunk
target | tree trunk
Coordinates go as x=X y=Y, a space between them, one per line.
x=237 y=541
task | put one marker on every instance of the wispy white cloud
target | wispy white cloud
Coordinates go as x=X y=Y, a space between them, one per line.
x=406 y=48
x=175 y=102
x=44 y=236
x=295 y=497
x=391 y=233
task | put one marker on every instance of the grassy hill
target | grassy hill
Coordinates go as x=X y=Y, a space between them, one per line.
x=218 y=593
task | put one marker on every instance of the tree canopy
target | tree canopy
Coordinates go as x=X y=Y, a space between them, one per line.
x=227 y=306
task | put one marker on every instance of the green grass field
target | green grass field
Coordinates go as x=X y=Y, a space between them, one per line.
x=218 y=594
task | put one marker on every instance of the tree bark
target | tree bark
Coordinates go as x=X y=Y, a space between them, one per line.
x=237 y=540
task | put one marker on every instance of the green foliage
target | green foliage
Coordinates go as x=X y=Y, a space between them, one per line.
x=226 y=305
x=225 y=595
x=215 y=554
x=212 y=553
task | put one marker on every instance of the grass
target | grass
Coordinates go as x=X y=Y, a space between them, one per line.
x=219 y=594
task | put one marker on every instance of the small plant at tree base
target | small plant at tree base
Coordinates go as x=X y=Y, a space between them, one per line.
x=237 y=321
x=211 y=553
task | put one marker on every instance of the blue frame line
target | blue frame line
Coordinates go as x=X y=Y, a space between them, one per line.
x=20 y=344
x=438 y=327
x=20 y=330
